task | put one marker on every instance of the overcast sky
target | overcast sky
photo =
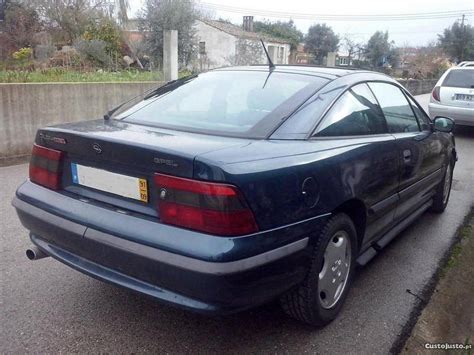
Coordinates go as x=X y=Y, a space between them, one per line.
x=414 y=32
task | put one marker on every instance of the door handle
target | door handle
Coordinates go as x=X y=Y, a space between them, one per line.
x=407 y=155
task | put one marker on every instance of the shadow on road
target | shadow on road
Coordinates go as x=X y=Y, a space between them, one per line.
x=143 y=320
x=464 y=131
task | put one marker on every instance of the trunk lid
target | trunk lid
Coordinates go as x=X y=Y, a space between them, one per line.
x=127 y=151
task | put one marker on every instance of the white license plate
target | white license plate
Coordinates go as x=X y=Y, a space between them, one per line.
x=118 y=184
x=464 y=97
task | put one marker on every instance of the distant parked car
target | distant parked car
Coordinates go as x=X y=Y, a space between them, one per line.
x=466 y=64
x=228 y=189
x=453 y=96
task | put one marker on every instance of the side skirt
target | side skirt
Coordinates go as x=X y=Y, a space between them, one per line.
x=381 y=243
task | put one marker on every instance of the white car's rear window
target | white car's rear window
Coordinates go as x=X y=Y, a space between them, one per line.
x=460 y=78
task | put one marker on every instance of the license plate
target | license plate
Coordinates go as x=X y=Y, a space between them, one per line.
x=464 y=97
x=118 y=184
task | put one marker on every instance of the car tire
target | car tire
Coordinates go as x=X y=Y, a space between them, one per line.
x=443 y=191
x=309 y=302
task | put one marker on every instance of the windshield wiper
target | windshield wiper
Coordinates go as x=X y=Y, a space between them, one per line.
x=170 y=85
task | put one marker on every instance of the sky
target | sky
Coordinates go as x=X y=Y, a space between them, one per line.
x=404 y=33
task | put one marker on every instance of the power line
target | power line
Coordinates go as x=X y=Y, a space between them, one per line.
x=338 y=17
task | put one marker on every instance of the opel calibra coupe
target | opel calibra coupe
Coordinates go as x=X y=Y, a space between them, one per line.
x=228 y=189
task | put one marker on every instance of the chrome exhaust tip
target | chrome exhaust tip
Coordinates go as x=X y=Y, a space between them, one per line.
x=35 y=253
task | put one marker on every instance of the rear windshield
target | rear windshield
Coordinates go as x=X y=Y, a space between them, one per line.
x=227 y=102
x=460 y=78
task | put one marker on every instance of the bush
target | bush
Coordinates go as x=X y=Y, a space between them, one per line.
x=107 y=32
x=43 y=52
x=66 y=59
x=23 y=54
x=93 y=50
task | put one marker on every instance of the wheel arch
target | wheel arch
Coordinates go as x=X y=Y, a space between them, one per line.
x=357 y=211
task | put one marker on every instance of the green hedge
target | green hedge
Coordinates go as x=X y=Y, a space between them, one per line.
x=60 y=75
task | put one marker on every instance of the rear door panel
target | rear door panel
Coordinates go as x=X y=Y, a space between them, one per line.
x=421 y=160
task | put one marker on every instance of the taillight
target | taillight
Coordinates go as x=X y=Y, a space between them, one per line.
x=45 y=167
x=435 y=93
x=213 y=208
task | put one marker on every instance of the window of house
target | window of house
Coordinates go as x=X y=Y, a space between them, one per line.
x=355 y=113
x=398 y=112
x=273 y=53
x=281 y=52
x=202 y=48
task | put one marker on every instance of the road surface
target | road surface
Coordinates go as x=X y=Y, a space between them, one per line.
x=47 y=307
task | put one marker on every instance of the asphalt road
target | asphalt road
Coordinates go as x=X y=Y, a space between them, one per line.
x=47 y=307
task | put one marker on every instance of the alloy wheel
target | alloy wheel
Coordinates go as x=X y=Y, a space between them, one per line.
x=335 y=270
x=447 y=184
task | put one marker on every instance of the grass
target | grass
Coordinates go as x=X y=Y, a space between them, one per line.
x=61 y=75
x=464 y=234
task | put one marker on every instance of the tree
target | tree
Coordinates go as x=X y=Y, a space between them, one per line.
x=379 y=51
x=160 y=15
x=321 y=40
x=352 y=47
x=458 y=42
x=67 y=20
x=20 y=25
x=428 y=62
x=107 y=31
x=123 y=7
x=280 y=29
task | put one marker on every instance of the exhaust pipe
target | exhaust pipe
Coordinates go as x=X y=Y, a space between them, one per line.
x=35 y=253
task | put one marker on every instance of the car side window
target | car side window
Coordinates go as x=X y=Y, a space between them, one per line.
x=423 y=119
x=355 y=113
x=398 y=112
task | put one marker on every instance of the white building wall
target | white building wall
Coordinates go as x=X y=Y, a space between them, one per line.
x=279 y=52
x=219 y=45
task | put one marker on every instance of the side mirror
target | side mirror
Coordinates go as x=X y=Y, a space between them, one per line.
x=443 y=124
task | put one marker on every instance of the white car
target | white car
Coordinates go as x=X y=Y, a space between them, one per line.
x=453 y=96
x=466 y=64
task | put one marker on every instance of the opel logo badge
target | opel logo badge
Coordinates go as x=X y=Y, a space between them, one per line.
x=97 y=148
x=163 y=193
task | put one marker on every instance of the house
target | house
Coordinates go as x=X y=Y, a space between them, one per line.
x=223 y=44
x=131 y=31
x=303 y=57
x=343 y=59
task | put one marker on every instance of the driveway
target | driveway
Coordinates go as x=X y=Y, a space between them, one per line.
x=48 y=307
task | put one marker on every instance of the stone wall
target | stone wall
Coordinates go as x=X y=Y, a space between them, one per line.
x=26 y=107
x=418 y=87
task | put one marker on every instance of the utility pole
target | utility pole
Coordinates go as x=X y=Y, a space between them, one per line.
x=463 y=40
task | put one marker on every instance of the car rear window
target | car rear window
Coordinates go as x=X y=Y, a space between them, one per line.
x=460 y=78
x=228 y=102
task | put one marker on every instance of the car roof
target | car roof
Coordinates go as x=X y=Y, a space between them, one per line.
x=330 y=73
x=460 y=68
x=466 y=63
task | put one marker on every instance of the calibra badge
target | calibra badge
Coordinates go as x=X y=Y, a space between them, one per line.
x=97 y=148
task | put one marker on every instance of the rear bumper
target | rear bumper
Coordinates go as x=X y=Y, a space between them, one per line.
x=221 y=275
x=461 y=115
